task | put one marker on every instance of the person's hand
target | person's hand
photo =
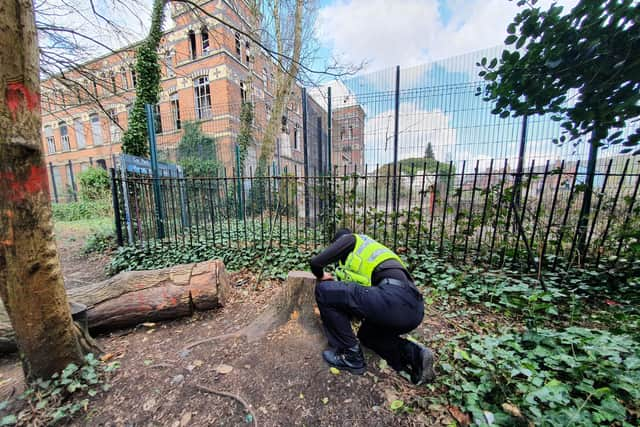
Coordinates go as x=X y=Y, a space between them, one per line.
x=326 y=276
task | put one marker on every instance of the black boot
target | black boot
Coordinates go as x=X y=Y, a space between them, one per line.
x=350 y=359
x=419 y=363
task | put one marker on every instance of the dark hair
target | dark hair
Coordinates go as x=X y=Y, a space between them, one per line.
x=341 y=232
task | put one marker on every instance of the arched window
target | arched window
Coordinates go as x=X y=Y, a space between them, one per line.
x=192 y=44
x=202 y=95
x=204 y=33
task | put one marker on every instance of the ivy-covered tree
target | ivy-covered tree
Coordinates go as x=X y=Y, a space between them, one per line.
x=245 y=136
x=147 y=88
x=197 y=152
x=581 y=67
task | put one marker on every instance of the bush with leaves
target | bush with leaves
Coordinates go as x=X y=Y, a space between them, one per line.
x=94 y=184
x=62 y=397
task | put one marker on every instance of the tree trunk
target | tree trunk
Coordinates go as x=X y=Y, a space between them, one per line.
x=31 y=284
x=134 y=297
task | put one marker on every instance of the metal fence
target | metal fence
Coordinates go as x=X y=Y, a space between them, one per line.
x=487 y=215
x=63 y=177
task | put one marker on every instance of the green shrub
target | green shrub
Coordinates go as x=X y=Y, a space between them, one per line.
x=94 y=184
x=84 y=209
x=575 y=376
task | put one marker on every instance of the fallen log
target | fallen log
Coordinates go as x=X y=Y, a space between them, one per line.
x=134 y=297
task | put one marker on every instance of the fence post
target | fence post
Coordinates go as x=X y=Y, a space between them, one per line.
x=240 y=186
x=329 y=130
x=74 y=188
x=116 y=207
x=585 y=210
x=520 y=166
x=305 y=130
x=154 y=170
x=394 y=197
x=53 y=182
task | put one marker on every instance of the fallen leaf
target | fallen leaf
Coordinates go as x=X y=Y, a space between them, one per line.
x=334 y=371
x=149 y=324
x=325 y=400
x=198 y=363
x=301 y=396
x=396 y=404
x=106 y=357
x=185 y=419
x=147 y=362
x=462 y=418
x=512 y=410
x=295 y=315
x=223 y=369
x=149 y=404
x=382 y=364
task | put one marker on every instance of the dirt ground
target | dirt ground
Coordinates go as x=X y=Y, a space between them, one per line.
x=282 y=378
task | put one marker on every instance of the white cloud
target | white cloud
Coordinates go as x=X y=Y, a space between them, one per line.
x=417 y=127
x=410 y=32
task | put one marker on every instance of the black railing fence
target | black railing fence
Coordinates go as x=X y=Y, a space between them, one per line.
x=481 y=213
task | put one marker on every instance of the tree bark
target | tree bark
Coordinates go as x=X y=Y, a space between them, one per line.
x=131 y=298
x=31 y=284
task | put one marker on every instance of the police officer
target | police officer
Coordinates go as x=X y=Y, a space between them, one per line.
x=374 y=286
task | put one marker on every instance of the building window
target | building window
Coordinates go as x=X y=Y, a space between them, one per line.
x=247 y=52
x=79 y=94
x=96 y=129
x=175 y=111
x=350 y=131
x=243 y=92
x=343 y=133
x=78 y=127
x=238 y=43
x=64 y=136
x=51 y=140
x=202 y=93
x=114 y=87
x=114 y=127
x=192 y=44
x=157 y=119
x=204 y=33
x=170 y=71
x=134 y=81
x=124 y=79
x=95 y=86
x=296 y=136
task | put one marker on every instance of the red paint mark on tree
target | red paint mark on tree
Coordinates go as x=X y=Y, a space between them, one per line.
x=16 y=189
x=17 y=95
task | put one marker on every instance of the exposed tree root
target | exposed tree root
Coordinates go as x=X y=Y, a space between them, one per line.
x=231 y=395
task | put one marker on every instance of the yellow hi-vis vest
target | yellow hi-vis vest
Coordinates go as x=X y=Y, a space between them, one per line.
x=365 y=257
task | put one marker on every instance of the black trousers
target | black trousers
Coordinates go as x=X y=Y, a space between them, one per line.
x=387 y=311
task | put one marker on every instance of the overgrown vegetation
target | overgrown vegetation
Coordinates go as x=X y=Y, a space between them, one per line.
x=85 y=209
x=60 y=398
x=573 y=376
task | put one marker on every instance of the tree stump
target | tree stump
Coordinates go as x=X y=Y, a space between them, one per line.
x=134 y=297
x=295 y=301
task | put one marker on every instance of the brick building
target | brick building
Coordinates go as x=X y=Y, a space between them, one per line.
x=208 y=70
